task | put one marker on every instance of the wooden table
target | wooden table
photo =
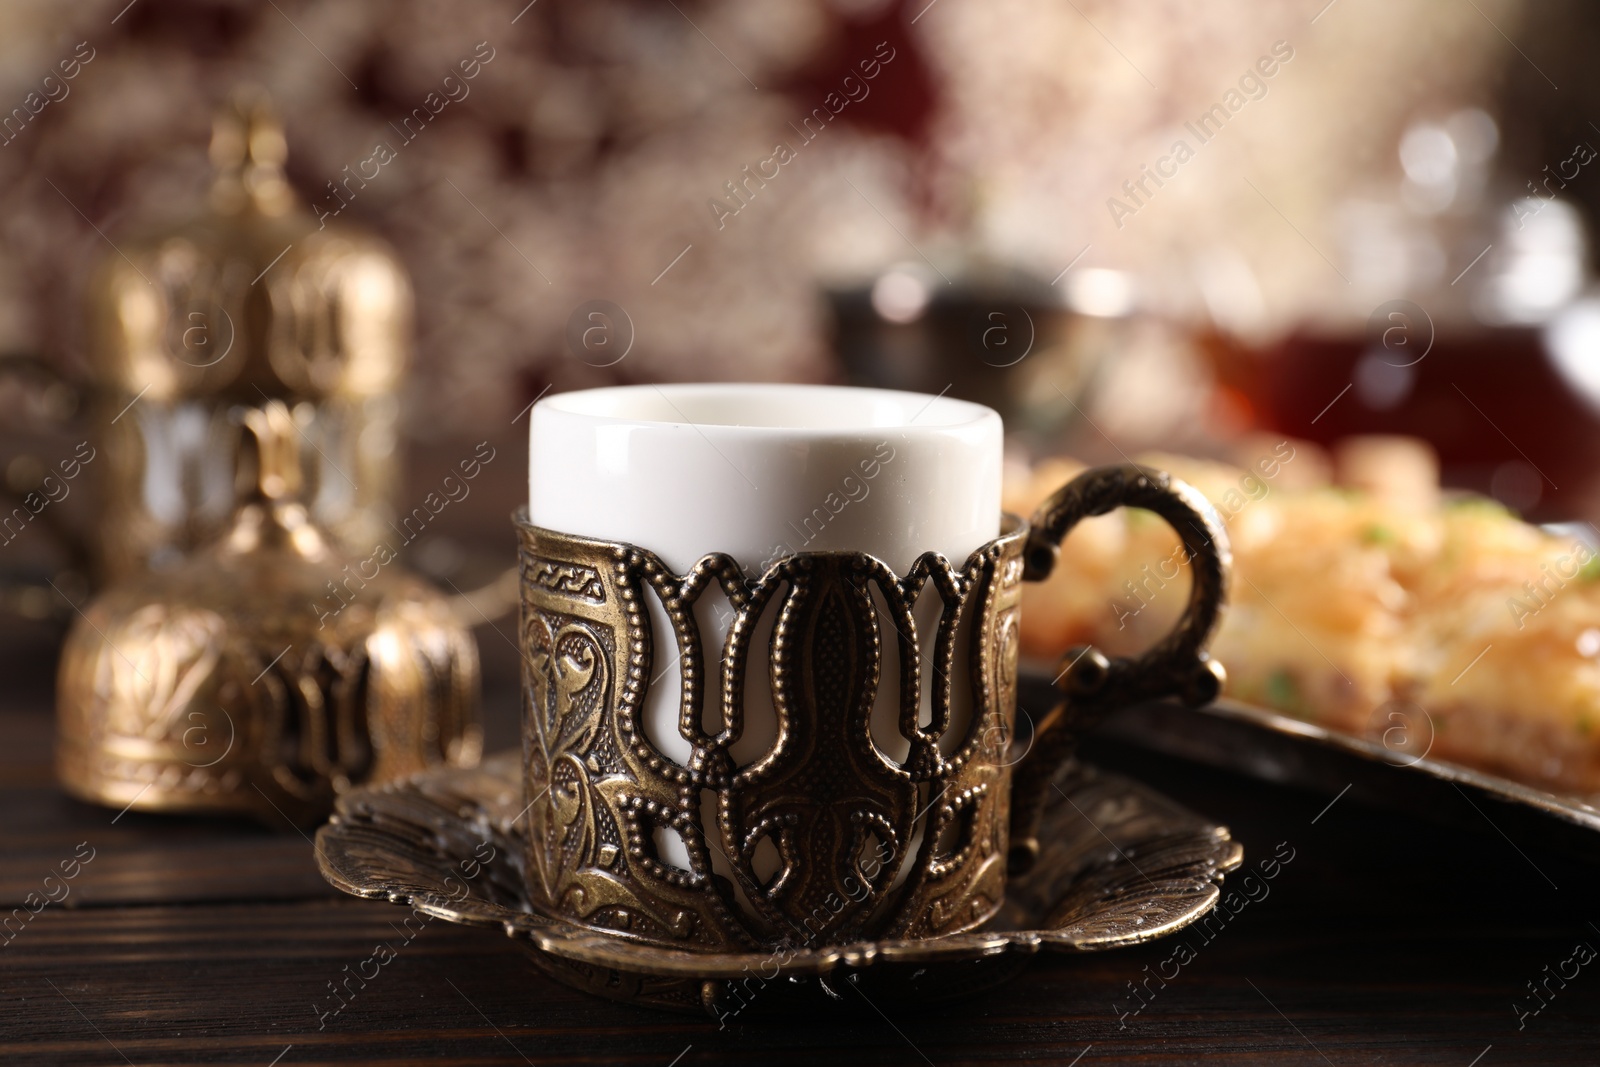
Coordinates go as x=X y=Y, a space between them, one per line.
x=1387 y=940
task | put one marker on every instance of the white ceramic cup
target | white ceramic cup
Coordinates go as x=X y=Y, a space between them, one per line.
x=761 y=472
x=765 y=471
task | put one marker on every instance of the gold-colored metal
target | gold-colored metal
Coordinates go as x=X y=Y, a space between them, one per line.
x=842 y=816
x=269 y=672
x=1093 y=684
x=254 y=299
x=867 y=846
x=448 y=843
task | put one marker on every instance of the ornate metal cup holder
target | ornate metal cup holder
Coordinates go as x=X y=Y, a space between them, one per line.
x=1119 y=865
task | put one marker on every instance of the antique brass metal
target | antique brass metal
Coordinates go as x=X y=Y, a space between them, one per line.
x=841 y=815
x=869 y=847
x=449 y=843
x=1094 y=684
x=251 y=300
x=227 y=684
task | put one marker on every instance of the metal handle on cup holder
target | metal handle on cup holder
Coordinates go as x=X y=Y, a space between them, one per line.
x=1092 y=683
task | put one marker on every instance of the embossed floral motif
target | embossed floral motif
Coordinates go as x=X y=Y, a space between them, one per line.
x=174 y=653
x=567 y=672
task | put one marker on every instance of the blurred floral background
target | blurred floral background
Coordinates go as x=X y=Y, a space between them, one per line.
x=826 y=190
x=586 y=156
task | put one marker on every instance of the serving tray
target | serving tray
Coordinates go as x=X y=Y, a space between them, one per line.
x=1276 y=748
x=1121 y=865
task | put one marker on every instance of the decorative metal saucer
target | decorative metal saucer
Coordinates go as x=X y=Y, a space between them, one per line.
x=1120 y=865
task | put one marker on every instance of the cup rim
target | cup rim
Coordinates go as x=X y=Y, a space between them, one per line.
x=846 y=411
x=1012 y=527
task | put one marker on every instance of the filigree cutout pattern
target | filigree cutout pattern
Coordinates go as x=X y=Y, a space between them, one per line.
x=866 y=846
x=842 y=817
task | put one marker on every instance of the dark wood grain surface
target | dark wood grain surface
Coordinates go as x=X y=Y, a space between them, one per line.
x=1388 y=939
